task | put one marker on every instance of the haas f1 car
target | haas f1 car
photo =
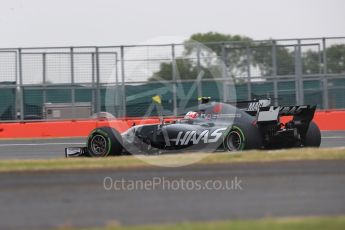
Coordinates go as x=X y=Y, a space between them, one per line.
x=214 y=126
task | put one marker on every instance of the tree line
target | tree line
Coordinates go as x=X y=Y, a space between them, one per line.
x=239 y=52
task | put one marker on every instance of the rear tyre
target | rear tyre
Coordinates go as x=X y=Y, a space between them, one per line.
x=242 y=137
x=313 y=136
x=104 y=141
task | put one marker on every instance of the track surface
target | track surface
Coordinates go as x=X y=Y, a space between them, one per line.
x=78 y=198
x=53 y=148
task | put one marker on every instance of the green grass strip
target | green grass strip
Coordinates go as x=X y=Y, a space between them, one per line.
x=300 y=223
x=133 y=162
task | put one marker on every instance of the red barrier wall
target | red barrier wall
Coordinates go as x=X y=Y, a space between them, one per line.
x=326 y=120
x=330 y=120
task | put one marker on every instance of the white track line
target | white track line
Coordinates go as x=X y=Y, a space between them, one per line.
x=334 y=137
x=39 y=144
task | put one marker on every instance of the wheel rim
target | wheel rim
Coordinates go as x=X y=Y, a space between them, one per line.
x=234 y=141
x=99 y=145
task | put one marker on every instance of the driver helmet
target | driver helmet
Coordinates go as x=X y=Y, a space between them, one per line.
x=191 y=115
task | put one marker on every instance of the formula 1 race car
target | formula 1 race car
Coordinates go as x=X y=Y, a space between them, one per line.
x=214 y=126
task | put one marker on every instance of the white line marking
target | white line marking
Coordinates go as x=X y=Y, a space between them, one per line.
x=39 y=144
x=334 y=137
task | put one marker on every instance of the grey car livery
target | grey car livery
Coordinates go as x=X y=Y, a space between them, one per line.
x=214 y=126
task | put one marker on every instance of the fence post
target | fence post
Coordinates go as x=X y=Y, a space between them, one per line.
x=298 y=74
x=320 y=59
x=275 y=72
x=93 y=93
x=174 y=78
x=72 y=81
x=225 y=92
x=21 y=88
x=199 y=86
x=116 y=87
x=324 y=78
x=124 y=103
x=98 y=90
x=249 y=84
x=44 y=79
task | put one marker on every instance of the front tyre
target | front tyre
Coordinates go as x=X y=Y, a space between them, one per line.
x=104 y=141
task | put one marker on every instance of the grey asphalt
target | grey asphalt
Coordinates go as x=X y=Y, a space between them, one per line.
x=37 y=148
x=53 y=148
x=39 y=200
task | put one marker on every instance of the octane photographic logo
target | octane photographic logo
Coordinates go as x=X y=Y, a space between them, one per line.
x=168 y=79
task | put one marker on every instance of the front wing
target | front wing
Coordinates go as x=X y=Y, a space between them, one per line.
x=76 y=151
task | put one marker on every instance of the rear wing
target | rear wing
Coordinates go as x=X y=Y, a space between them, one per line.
x=264 y=112
x=252 y=107
x=301 y=113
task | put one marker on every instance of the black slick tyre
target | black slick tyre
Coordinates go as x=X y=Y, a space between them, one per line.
x=104 y=141
x=313 y=136
x=242 y=137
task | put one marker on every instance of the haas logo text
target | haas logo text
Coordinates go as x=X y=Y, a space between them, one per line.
x=191 y=136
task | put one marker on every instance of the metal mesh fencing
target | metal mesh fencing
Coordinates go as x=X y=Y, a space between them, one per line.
x=122 y=80
x=8 y=76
